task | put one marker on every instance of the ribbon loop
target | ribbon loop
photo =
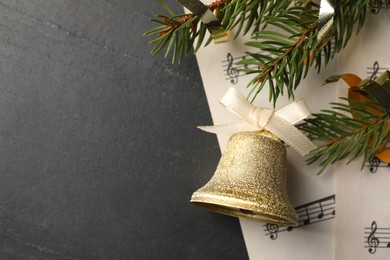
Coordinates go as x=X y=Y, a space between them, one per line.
x=280 y=123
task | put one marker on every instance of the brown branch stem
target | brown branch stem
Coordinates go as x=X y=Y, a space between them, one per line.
x=362 y=128
x=174 y=24
x=303 y=37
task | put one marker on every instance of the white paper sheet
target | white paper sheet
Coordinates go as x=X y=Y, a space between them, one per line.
x=363 y=197
x=363 y=212
x=308 y=192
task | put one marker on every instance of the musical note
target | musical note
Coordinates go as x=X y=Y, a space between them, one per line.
x=232 y=73
x=372 y=240
x=310 y=213
x=273 y=231
x=376 y=68
x=321 y=214
x=245 y=65
x=307 y=220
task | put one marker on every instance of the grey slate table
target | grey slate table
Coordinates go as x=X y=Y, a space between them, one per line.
x=99 y=151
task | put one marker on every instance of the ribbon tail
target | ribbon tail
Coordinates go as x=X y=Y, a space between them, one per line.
x=290 y=135
x=232 y=128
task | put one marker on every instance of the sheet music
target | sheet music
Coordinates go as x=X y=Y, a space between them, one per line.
x=310 y=213
x=306 y=189
x=363 y=197
x=363 y=207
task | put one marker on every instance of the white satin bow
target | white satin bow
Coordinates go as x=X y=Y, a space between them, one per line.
x=280 y=123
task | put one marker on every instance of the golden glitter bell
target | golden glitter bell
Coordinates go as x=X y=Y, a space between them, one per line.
x=250 y=181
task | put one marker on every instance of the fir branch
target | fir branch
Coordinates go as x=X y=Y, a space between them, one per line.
x=244 y=15
x=249 y=15
x=284 y=57
x=283 y=65
x=177 y=33
x=343 y=136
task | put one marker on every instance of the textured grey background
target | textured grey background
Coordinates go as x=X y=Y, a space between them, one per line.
x=99 y=153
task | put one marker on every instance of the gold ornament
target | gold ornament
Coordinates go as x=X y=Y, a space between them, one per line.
x=250 y=181
x=213 y=25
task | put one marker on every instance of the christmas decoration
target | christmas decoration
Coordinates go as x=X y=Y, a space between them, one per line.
x=284 y=55
x=207 y=17
x=250 y=180
x=291 y=37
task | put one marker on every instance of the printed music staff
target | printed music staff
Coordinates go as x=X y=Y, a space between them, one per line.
x=307 y=219
x=310 y=213
x=376 y=238
x=377 y=5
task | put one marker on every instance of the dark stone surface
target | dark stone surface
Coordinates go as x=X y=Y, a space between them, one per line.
x=99 y=153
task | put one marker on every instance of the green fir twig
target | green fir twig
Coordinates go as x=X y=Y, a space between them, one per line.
x=283 y=54
x=342 y=136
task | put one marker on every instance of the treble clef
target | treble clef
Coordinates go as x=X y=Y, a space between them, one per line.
x=372 y=240
x=376 y=68
x=374 y=164
x=232 y=73
x=376 y=6
x=273 y=231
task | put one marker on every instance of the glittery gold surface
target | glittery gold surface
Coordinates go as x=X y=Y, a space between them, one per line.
x=250 y=181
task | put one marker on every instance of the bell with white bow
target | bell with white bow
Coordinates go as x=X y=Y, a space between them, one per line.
x=250 y=180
